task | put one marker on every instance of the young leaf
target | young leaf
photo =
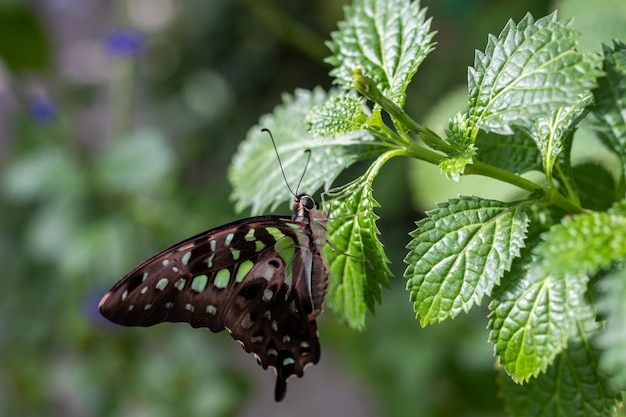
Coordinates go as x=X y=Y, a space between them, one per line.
x=389 y=40
x=552 y=131
x=358 y=263
x=612 y=341
x=255 y=172
x=572 y=386
x=459 y=137
x=610 y=108
x=341 y=113
x=460 y=252
x=530 y=70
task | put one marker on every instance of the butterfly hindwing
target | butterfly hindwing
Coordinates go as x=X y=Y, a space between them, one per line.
x=263 y=279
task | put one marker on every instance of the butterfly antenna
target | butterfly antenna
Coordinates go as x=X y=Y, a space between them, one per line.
x=308 y=159
x=280 y=164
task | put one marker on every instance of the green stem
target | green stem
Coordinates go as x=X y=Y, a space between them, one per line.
x=553 y=197
x=367 y=87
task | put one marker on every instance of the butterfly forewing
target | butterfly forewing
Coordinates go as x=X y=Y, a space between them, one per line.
x=263 y=279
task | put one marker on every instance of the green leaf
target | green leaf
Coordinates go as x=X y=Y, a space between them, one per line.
x=552 y=132
x=459 y=137
x=389 y=40
x=358 y=263
x=460 y=252
x=33 y=49
x=255 y=172
x=572 y=386
x=534 y=314
x=596 y=186
x=610 y=108
x=341 y=113
x=530 y=70
x=612 y=341
x=584 y=243
x=517 y=153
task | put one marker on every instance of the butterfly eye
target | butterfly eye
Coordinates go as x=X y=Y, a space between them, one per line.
x=307 y=202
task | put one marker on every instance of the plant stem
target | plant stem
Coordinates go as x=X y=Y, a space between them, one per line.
x=367 y=87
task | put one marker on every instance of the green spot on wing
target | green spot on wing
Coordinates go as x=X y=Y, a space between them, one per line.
x=259 y=246
x=287 y=254
x=235 y=252
x=180 y=284
x=277 y=234
x=162 y=284
x=209 y=260
x=243 y=270
x=186 y=257
x=221 y=278
x=199 y=283
x=283 y=243
x=250 y=236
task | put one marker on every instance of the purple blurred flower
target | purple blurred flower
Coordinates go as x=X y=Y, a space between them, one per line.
x=124 y=42
x=41 y=109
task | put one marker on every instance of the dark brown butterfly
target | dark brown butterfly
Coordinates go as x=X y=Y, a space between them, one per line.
x=263 y=279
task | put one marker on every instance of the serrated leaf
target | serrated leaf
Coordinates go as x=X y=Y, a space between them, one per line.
x=460 y=252
x=517 y=153
x=584 y=243
x=552 y=133
x=530 y=70
x=255 y=172
x=389 y=40
x=358 y=263
x=610 y=108
x=572 y=386
x=341 y=113
x=534 y=314
x=459 y=137
x=612 y=341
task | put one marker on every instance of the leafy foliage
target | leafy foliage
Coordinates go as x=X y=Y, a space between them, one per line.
x=356 y=241
x=610 y=96
x=528 y=93
x=78 y=206
x=459 y=253
x=389 y=40
x=254 y=166
x=526 y=73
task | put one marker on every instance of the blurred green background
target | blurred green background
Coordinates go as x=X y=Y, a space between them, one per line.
x=118 y=120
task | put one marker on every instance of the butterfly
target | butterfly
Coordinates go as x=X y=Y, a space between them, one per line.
x=263 y=279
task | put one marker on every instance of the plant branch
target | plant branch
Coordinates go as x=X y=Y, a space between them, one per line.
x=367 y=87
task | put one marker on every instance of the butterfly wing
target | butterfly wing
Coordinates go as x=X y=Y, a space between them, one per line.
x=252 y=277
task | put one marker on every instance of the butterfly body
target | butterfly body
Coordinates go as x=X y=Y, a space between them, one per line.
x=263 y=279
